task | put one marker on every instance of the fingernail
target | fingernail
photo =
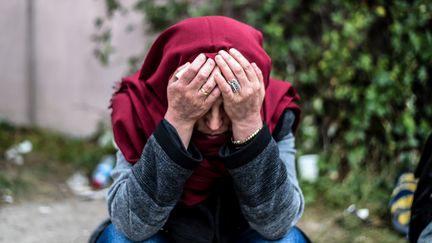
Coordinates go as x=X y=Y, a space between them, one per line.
x=234 y=50
x=222 y=52
x=201 y=56
x=218 y=57
x=184 y=65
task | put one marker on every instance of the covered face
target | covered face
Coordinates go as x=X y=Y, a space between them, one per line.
x=215 y=121
x=141 y=102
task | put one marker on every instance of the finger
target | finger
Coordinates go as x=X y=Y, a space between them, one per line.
x=202 y=75
x=223 y=86
x=258 y=72
x=208 y=86
x=228 y=74
x=245 y=64
x=181 y=70
x=178 y=73
x=193 y=68
x=224 y=68
x=213 y=96
x=235 y=67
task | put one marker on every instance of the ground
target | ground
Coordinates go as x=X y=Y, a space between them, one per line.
x=66 y=220
x=63 y=217
x=44 y=209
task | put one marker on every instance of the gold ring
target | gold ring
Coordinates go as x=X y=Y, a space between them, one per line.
x=204 y=92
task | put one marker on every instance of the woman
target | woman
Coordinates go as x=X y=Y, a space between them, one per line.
x=206 y=142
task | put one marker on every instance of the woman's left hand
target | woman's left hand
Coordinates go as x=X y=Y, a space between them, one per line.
x=244 y=105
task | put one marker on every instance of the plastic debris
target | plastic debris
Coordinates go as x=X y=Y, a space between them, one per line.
x=102 y=174
x=308 y=167
x=15 y=153
x=24 y=147
x=350 y=209
x=361 y=213
x=8 y=199
x=79 y=184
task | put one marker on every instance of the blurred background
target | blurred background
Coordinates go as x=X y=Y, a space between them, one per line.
x=363 y=70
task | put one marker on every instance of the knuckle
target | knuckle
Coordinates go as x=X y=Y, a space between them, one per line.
x=257 y=87
x=173 y=89
x=248 y=68
x=237 y=71
x=193 y=70
x=187 y=74
x=201 y=76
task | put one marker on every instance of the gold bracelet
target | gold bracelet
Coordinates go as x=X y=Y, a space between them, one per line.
x=250 y=137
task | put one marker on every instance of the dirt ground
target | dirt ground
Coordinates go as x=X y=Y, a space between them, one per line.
x=72 y=219
x=44 y=209
x=54 y=221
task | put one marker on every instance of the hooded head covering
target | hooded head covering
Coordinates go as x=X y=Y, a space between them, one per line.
x=141 y=100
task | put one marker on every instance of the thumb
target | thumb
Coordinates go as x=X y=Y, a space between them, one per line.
x=178 y=72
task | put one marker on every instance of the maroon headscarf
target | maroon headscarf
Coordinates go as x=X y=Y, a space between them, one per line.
x=141 y=100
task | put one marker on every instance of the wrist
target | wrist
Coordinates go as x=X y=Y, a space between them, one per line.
x=178 y=122
x=184 y=128
x=247 y=139
x=245 y=128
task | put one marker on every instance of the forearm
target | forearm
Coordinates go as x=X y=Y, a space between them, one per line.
x=132 y=209
x=268 y=191
x=143 y=195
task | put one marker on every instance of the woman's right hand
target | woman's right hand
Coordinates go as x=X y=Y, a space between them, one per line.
x=191 y=95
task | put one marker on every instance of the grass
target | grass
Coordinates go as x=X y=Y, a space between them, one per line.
x=326 y=224
x=53 y=159
x=325 y=219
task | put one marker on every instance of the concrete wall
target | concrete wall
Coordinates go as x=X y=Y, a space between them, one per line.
x=13 y=100
x=71 y=89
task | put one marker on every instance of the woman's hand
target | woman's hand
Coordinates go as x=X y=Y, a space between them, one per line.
x=191 y=95
x=244 y=105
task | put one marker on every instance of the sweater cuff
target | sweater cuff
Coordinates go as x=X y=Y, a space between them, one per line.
x=237 y=157
x=168 y=138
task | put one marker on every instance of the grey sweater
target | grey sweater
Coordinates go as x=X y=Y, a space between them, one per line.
x=263 y=176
